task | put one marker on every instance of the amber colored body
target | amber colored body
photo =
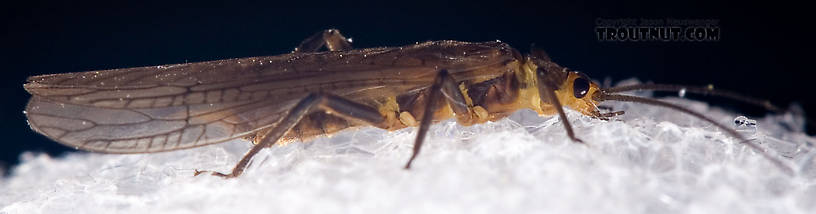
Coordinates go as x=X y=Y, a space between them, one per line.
x=163 y=108
x=308 y=93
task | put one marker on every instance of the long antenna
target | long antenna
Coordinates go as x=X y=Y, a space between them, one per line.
x=626 y=98
x=709 y=90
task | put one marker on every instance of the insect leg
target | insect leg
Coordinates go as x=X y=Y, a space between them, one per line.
x=332 y=39
x=427 y=116
x=466 y=114
x=335 y=105
x=546 y=90
x=455 y=98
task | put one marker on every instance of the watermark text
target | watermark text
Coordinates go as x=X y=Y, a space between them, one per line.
x=657 y=30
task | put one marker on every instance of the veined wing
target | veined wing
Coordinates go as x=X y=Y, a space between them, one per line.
x=163 y=108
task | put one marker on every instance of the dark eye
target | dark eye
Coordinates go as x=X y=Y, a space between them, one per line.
x=580 y=87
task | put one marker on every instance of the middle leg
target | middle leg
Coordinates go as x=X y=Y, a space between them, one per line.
x=446 y=86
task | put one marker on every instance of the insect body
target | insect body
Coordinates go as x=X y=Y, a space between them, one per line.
x=304 y=94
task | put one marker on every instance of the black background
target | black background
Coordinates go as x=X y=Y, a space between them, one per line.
x=764 y=48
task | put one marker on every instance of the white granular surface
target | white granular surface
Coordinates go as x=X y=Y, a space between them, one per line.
x=650 y=160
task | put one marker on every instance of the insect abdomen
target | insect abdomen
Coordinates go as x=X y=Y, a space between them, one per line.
x=315 y=125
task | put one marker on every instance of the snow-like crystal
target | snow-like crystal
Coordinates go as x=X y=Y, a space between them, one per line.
x=744 y=121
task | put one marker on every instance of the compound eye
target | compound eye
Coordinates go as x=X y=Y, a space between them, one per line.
x=580 y=87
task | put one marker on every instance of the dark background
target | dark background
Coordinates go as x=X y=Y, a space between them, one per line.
x=764 y=49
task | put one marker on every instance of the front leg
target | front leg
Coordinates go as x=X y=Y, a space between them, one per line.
x=546 y=91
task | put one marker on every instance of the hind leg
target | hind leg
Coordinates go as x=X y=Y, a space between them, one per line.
x=335 y=105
